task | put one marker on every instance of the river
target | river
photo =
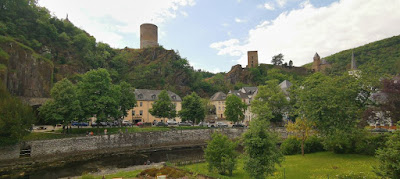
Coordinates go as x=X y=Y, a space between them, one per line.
x=115 y=161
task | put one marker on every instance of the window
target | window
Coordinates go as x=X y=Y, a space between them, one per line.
x=153 y=96
x=141 y=112
x=133 y=112
x=173 y=97
x=141 y=104
x=219 y=108
x=140 y=96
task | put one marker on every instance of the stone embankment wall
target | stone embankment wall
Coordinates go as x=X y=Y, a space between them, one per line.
x=110 y=143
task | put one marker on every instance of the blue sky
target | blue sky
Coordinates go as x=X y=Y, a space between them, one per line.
x=214 y=35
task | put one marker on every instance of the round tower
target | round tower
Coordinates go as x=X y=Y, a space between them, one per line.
x=148 y=35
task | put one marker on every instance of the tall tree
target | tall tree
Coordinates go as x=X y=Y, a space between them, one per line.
x=332 y=103
x=261 y=151
x=64 y=106
x=163 y=107
x=97 y=95
x=126 y=100
x=235 y=108
x=277 y=59
x=192 y=109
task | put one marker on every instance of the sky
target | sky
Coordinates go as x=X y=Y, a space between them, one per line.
x=214 y=35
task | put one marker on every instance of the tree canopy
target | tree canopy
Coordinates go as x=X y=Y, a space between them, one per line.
x=163 y=107
x=192 y=109
x=235 y=108
x=277 y=59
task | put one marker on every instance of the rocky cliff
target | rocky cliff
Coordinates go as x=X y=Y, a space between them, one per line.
x=25 y=73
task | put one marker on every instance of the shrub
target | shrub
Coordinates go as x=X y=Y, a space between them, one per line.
x=291 y=146
x=370 y=143
x=313 y=144
x=389 y=158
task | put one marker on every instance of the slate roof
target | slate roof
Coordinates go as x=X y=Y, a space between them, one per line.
x=152 y=95
x=218 y=96
x=245 y=92
x=285 y=85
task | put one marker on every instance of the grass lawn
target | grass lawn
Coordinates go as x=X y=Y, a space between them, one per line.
x=129 y=174
x=79 y=132
x=317 y=165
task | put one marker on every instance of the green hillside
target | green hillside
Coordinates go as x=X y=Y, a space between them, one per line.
x=379 y=57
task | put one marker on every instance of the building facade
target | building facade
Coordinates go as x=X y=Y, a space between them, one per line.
x=319 y=64
x=145 y=98
x=218 y=100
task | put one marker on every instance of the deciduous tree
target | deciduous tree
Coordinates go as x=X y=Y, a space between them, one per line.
x=220 y=154
x=261 y=151
x=235 y=108
x=163 y=107
x=192 y=109
x=277 y=59
x=301 y=129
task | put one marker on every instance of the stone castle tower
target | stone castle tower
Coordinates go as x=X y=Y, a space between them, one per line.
x=252 y=59
x=319 y=64
x=148 y=35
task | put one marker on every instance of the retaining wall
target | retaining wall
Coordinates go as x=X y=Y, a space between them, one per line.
x=106 y=143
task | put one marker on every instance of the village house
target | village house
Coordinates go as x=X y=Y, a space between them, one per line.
x=145 y=98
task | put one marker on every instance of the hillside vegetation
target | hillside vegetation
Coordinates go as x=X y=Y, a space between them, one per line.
x=382 y=57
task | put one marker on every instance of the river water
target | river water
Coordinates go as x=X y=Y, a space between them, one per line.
x=114 y=161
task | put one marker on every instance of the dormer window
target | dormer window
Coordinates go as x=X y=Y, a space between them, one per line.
x=153 y=96
x=173 y=97
x=140 y=96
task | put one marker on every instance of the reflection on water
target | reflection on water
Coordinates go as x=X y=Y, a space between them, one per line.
x=115 y=161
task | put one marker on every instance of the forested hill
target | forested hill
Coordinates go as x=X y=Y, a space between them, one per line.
x=28 y=34
x=380 y=57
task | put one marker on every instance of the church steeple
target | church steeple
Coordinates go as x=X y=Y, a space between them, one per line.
x=353 y=62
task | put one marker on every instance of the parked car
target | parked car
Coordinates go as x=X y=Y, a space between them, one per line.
x=76 y=123
x=162 y=124
x=221 y=125
x=126 y=123
x=212 y=124
x=203 y=124
x=238 y=126
x=185 y=123
x=101 y=124
x=172 y=122
x=112 y=123
x=139 y=124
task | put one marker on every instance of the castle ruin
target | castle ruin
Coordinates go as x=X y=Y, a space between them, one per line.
x=148 y=35
x=252 y=59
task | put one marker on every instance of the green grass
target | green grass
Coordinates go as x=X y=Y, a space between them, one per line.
x=75 y=132
x=127 y=174
x=317 y=165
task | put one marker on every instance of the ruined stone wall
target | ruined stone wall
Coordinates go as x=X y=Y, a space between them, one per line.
x=108 y=143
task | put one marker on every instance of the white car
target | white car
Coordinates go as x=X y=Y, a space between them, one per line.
x=172 y=122
x=221 y=124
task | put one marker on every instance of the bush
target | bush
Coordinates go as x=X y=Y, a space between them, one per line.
x=313 y=144
x=389 y=158
x=291 y=146
x=370 y=143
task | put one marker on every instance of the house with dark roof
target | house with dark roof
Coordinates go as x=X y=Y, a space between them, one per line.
x=218 y=100
x=145 y=98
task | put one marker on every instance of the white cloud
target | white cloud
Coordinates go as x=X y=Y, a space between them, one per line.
x=281 y=3
x=239 y=20
x=269 y=6
x=299 y=33
x=230 y=47
x=106 y=20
